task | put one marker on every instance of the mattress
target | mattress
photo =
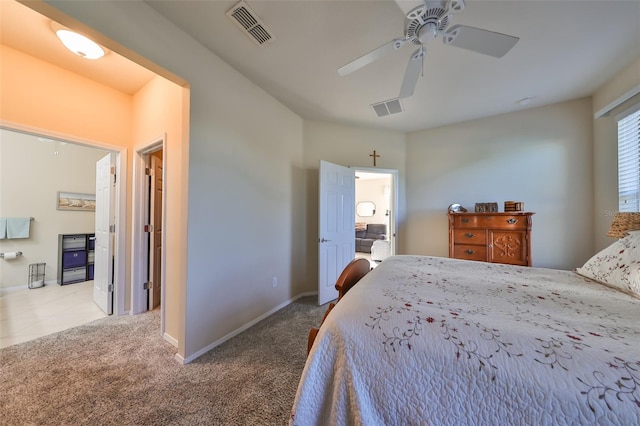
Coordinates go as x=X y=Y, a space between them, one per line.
x=426 y=340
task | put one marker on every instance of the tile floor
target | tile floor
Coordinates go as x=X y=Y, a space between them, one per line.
x=27 y=314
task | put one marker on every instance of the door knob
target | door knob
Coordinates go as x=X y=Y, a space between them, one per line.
x=322 y=240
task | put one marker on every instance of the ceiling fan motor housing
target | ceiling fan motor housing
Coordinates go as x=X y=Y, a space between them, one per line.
x=426 y=22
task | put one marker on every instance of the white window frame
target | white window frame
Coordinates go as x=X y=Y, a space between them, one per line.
x=629 y=159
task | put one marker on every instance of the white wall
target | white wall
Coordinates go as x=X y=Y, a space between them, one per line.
x=245 y=198
x=541 y=156
x=605 y=149
x=31 y=174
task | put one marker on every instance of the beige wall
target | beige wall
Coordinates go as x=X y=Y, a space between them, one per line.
x=541 y=156
x=40 y=95
x=157 y=113
x=31 y=174
x=36 y=94
x=605 y=149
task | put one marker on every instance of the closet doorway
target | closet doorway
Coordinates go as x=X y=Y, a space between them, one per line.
x=149 y=240
x=154 y=230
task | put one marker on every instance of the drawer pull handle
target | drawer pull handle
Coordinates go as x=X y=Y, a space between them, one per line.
x=465 y=220
x=468 y=235
x=469 y=251
x=512 y=221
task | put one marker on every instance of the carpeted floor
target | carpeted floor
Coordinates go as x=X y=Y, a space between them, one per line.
x=119 y=371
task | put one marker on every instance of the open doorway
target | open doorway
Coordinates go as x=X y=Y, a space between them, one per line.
x=374 y=214
x=154 y=229
x=44 y=166
x=338 y=213
x=148 y=268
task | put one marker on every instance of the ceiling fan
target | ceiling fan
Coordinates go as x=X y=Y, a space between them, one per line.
x=426 y=21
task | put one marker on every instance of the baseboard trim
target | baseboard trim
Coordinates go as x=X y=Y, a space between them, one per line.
x=195 y=355
x=6 y=290
x=170 y=339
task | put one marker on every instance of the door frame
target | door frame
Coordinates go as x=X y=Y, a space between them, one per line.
x=393 y=220
x=120 y=208
x=139 y=247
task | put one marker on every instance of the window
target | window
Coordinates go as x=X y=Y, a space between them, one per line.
x=629 y=160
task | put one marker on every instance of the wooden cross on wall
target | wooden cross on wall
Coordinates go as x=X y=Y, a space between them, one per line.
x=374 y=155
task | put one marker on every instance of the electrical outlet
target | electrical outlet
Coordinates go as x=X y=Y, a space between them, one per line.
x=274 y=282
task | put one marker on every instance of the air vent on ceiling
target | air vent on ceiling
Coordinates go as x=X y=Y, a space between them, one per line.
x=392 y=106
x=250 y=24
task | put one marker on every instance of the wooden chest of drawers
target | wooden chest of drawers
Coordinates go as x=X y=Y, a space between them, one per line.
x=491 y=237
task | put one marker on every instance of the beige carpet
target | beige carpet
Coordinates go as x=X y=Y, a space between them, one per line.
x=119 y=371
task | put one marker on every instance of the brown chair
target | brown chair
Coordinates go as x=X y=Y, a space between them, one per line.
x=352 y=273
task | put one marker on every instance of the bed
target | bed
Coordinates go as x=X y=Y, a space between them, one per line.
x=426 y=340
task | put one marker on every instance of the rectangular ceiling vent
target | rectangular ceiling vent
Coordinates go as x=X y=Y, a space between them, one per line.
x=392 y=106
x=250 y=24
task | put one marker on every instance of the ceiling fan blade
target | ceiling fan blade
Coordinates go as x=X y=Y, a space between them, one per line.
x=479 y=40
x=414 y=69
x=408 y=5
x=371 y=56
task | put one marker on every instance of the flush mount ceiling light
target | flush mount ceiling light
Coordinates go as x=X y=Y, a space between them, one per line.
x=78 y=44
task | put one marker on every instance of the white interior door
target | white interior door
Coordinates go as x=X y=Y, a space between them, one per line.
x=103 y=264
x=155 y=233
x=336 y=236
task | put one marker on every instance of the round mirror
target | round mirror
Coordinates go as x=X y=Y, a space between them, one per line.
x=365 y=209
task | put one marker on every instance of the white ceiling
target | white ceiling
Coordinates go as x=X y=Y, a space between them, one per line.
x=567 y=49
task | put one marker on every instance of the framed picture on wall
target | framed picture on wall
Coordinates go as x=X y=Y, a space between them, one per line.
x=76 y=201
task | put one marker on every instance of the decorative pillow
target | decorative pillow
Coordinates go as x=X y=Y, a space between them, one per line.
x=618 y=265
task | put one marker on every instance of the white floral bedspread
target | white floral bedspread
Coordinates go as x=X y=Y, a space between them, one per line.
x=425 y=340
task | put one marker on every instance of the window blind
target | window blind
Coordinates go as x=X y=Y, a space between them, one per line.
x=629 y=162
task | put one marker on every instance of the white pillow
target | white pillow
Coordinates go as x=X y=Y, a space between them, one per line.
x=618 y=265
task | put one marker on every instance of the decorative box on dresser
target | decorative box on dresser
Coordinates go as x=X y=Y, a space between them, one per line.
x=491 y=237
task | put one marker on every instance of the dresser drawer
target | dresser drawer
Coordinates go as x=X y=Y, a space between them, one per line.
x=72 y=259
x=470 y=252
x=74 y=275
x=470 y=236
x=74 y=242
x=490 y=221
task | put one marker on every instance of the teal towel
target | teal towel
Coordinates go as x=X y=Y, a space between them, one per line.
x=3 y=228
x=18 y=227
